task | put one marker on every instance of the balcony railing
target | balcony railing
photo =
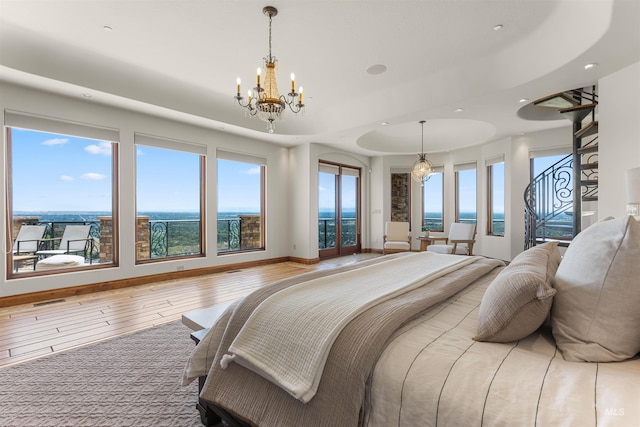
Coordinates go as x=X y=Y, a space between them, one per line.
x=327 y=232
x=169 y=238
x=229 y=235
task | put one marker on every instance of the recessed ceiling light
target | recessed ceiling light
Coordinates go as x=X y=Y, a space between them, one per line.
x=498 y=27
x=107 y=28
x=384 y=123
x=377 y=69
x=523 y=100
x=459 y=110
x=87 y=95
x=590 y=65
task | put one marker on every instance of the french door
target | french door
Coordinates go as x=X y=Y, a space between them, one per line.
x=338 y=210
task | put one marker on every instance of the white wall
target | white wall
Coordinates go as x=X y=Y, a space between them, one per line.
x=619 y=137
x=278 y=215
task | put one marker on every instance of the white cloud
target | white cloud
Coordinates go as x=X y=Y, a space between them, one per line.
x=321 y=188
x=139 y=152
x=253 y=171
x=93 y=176
x=55 y=141
x=66 y=178
x=103 y=148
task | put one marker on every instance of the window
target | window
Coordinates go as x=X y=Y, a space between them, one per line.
x=433 y=202
x=495 y=181
x=241 y=199
x=61 y=177
x=169 y=195
x=466 y=193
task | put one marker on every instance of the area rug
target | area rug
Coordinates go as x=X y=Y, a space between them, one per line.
x=132 y=380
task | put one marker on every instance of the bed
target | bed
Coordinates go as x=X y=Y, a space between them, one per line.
x=475 y=343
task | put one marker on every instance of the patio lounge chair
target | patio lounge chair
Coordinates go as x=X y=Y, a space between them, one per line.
x=28 y=239
x=26 y=244
x=75 y=239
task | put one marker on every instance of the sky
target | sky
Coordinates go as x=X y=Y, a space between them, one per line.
x=327 y=189
x=62 y=173
x=52 y=172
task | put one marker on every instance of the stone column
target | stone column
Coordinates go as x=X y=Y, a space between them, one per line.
x=106 y=239
x=251 y=231
x=143 y=238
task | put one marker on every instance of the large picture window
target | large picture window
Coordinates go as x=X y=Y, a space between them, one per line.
x=495 y=191
x=169 y=198
x=241 y=202
x=433 y=202
x=62 y=193
x=466 y=193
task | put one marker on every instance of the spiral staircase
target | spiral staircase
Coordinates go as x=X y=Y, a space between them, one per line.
x=569 y=187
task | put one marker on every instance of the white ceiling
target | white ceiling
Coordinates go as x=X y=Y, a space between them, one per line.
x=180 y=59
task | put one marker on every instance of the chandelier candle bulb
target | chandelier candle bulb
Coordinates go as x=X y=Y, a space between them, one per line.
x=259 y=72
x=300 y=95
x=238 y=82
x=293 y=83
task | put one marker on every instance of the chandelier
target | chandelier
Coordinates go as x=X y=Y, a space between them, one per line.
x=422 y=168
x=264 y=100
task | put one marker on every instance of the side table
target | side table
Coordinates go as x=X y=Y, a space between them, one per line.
x=428 y=240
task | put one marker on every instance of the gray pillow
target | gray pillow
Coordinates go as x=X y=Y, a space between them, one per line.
x=596 y=313
x=518 y=300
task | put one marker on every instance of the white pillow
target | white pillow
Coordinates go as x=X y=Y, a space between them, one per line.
x=518 y=300
x=596 y=313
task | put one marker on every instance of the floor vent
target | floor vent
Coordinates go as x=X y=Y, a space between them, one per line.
x=53 y=301
x=234 y=271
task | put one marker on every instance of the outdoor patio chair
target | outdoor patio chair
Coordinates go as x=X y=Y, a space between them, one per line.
x=28 y=239
x=26 y=244
x=75 y=239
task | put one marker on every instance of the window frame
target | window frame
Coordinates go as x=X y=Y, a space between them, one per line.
x=490 y=197
x=440 y=171
x=253 y=160
x=162 y=143
x=457 y=170
x=34 y=123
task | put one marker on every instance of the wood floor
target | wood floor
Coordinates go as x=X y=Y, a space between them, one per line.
x=31 y=330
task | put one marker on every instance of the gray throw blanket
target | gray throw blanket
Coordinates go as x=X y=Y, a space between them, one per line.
x=340 y=397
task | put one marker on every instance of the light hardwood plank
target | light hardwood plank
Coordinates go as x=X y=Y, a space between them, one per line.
x=28 y=331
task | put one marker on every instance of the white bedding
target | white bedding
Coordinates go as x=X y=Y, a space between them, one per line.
x=433 y=373
x=288 y=336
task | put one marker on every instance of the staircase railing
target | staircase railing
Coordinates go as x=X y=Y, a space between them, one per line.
x=548 y=197
x=563 y=187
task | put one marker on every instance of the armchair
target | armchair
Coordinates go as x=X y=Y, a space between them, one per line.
x=459 y=242
x=396 y=237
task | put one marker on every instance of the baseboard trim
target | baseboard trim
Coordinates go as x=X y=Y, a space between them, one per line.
x=54 y=294
x=305 y=261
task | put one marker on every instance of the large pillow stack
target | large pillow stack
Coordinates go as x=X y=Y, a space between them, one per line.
x=518 y=300
x=596 y=312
